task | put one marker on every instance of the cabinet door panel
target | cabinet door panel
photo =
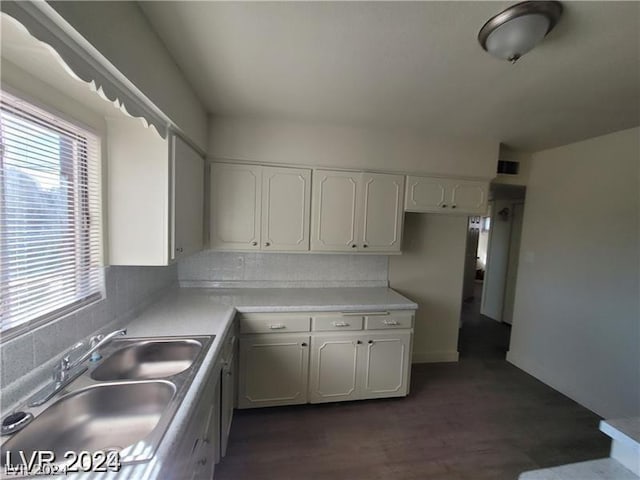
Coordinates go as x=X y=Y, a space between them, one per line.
x=334 y=211
x=382 y=212
x=235 y=206
x=286 y=198
x=385 y=365
x=273 y=370
x=188 y=199
x=333 y=368
x=469 y=197
x=425 y=194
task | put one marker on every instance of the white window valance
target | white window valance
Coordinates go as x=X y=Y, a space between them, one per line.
x=85 y=61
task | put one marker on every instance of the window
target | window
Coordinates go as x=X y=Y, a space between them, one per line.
x=50 y=216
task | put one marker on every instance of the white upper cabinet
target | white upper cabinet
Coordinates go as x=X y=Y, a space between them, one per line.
x=286 y=199
x=154 y=193
x=259 y=208
x=358 y=212
x=335 y=210
x=446 y=195
x=382 y=212
x=188 y=199
x=235 y=206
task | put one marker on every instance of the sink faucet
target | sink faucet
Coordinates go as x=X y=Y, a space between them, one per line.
x=66 y=370
x=66 y=365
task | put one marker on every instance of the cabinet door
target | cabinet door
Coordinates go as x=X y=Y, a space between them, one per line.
x=235 y=206
x=194 y=457
x=469 y=196
x=426 y=194
x=188 y=199
x=273 y=370
x=384 y=365
x=227 y=402
x=286 y=198
x=334 y=211
x=333 y=368
x=382 y=212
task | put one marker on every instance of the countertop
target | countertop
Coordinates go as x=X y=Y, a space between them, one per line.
x=203 y=311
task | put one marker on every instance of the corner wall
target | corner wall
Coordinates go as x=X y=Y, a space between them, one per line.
x=430 y=272
x=576 y=323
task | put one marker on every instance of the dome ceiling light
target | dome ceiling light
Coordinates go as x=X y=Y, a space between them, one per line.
x=516 y=30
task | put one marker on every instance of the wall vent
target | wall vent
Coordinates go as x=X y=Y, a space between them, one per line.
x=508 y=167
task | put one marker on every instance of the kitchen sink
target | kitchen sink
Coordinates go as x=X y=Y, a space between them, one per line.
x=148 y=359
x=123 y=403
x=101 y=417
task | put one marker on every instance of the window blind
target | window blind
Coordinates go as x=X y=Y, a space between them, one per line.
x=50 y=216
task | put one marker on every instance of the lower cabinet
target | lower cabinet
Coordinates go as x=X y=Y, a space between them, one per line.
x=227 y=397
x=357 y=366
x=327 y=357
x=273 y=370
x=196 y=457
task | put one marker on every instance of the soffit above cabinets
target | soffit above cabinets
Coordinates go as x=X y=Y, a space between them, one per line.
x=409 y=65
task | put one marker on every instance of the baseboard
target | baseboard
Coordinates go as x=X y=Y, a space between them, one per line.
x=435 y=357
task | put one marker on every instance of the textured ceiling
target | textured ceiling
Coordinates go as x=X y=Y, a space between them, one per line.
x=409 y=65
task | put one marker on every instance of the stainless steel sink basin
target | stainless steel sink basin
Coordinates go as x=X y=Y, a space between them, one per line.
x=148 y=359
x=99 y=417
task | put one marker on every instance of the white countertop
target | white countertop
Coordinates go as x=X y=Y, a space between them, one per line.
x=204 y=311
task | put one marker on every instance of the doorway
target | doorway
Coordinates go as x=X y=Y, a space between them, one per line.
x=491 y=266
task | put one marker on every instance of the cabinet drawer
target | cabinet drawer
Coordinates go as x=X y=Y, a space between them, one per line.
x=275 y=324
x=336 y=323
x=389 y=320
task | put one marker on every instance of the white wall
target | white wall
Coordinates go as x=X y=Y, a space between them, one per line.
x=430 y=272
x=577 y=314
x=121 y=32
x=335 y=146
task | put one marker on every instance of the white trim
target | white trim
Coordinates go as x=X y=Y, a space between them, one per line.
x=45 y=24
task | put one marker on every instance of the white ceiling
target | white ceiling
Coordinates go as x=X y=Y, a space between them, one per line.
x=409 y=65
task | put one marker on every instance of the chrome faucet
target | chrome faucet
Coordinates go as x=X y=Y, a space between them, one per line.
x=61 y=370
x=66 y=370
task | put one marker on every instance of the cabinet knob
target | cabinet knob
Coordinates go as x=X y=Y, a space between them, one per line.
x=359 y=342
x=353 y=246
x=453 y=206
x=444 y=205
x=179 y=249
x=255 y=244
x=304 y=344
x=370 y=341
x=365 y=245
x=266 y=244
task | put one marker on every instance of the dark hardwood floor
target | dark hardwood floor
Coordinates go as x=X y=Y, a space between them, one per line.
x=480 y=418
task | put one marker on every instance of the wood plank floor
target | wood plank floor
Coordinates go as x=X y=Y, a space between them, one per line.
x=480 y=418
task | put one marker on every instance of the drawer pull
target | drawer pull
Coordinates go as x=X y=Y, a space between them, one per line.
x=391 y=322
x=277 y=326
x=340 y=324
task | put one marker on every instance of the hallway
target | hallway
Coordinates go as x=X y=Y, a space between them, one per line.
x=481 y=337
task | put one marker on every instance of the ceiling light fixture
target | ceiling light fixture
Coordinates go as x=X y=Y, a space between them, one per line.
x=516 y=30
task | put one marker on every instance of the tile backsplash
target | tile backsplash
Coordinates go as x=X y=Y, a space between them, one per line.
x=256 y=270
x=128 y=291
